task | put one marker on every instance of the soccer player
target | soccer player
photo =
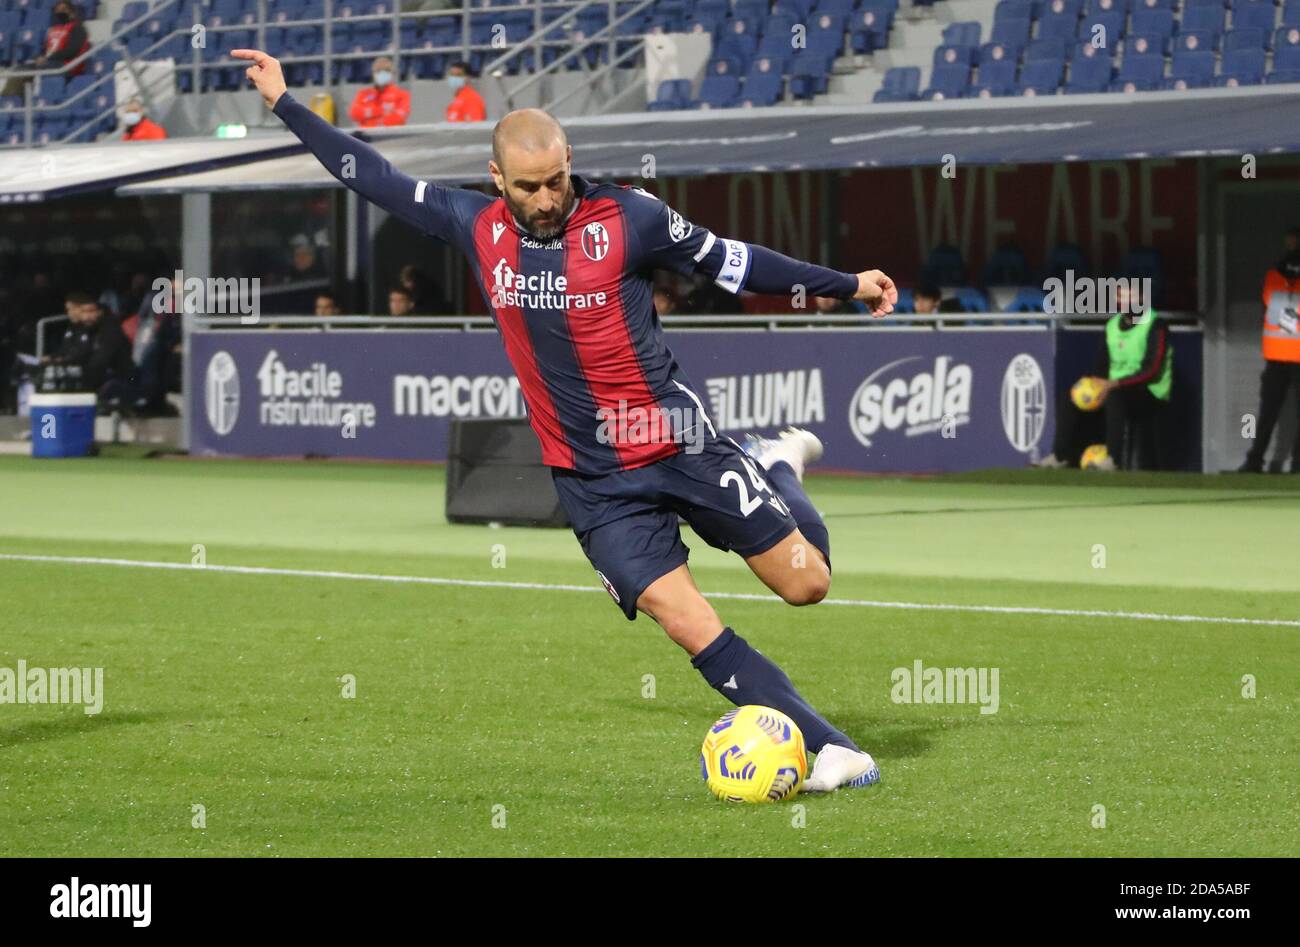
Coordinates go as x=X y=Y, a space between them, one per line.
x=566 y=268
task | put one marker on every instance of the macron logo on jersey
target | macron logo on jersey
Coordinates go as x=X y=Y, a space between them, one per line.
x=497 y=230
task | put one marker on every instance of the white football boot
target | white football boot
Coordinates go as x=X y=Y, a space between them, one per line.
x=838 y=766
x=796 y=446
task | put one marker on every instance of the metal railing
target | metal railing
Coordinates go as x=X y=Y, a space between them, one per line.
x=558 y=34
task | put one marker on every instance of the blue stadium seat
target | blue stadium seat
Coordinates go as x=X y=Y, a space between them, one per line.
x=1287 y=37
x=823 y=48
x=737 y=42
x=1045 y=49
x=1011 y=31
x=1012 y=10
x=1071 y=8
x=1286 y=58
x=1190 y=41
x=1283 y=76
x=762 y=88
x=998 y=52
x=826 y=21
x=1246 y=66
x=1191 y=69
x=777 y=50
x=954 y=56
x=1290 y=13
x=1090 y=70
x=839 y=8
x=1158 y=22
x=944 y=266
x=1145 y=263
x=1005 y=267
x=672 y=95
x=1107 y=6
x=962 y=34
x=1058 y=26
x=1065 y=256
x=901 y=84
x=1209 y=19
x=996 y=78
x=808 y=74
x=1104 y=29
x=869 y=29
x=718 y=92
x=1041 y=77
x=972 y=299
x=1027 y=299
x=1244 y=38
x=1143 y=43
x=801 y=9
x=1140 y=5
x=1141 y=68
x=948 y=81
x=1255 y=14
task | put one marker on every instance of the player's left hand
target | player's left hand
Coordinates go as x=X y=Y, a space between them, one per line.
x=878 y=291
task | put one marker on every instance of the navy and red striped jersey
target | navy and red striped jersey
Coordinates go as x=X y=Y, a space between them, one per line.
x=576 y=312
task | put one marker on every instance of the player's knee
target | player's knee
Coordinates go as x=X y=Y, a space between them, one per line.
x=808 y=588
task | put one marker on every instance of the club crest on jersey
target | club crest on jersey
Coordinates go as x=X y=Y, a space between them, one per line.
x=595 y=242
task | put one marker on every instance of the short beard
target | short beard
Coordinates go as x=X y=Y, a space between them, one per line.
x=546 y=231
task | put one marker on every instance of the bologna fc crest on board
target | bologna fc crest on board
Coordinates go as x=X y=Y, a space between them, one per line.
x=595 y=242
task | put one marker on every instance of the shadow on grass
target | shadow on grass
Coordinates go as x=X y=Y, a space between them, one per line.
x=72 y=723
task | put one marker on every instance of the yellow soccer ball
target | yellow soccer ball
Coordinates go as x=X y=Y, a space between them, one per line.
x=754 y=754
x=1088 y=394
x=1093 y=457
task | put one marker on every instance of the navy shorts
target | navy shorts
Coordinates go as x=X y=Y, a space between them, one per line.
x=627 y=520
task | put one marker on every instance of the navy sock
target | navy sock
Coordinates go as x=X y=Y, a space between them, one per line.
x=744 y=676
x=805 y=514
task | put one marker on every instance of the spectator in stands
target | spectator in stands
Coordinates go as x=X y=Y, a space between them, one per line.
x=1135 y=367
x=400 y=302
x=466 y=104
x=420 y=287
x=1281 y=348
x=382 y=103
x=94 y=351
x=138 y=126
x=926 y=300
x=65 y=40
x=304 y=263
x=155 y=340
x=327 y=304
x=830 y=306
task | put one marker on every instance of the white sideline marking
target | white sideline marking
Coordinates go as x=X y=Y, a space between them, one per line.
x=556 y=587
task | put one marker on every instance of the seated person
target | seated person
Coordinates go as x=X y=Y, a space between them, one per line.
x=93 y=352
x=382 y=103
x=926 y=300
x=65 y=40
x=155 y=340
x=1135 y=368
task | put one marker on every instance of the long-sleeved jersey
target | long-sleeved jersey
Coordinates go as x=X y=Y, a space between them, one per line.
x=575 y=311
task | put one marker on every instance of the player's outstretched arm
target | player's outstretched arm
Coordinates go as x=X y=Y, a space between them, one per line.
x=435 y=210
x=772 y=272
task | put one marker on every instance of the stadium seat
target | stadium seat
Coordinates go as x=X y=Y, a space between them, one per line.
x=971 y=298
x=1064 y=257
x=901 y=84
x=948 y=81
x=1141 y=68
x=1012 y=10
x=1283 y=76
x=995 y=79
x=1202 y=19
x=1107 y=6
x=1244 y=38
x=944 y=266
x=672 y=95
x=737 y=42
x=1191 y=70
x=1139 y=5
x=1041 y=77
x=997 y=52
x=1102 y=29
x=1006 y=267
x=954 y=56
x=1255 y=14
x=1145 y=263
x=1290 y=13
x=717 y=92
x=1286 y=58
x=1057 y=26
x=1071 y=8
x=1154 y=22
x=1027 y=299
x=808 y=74
x=1190 y=41
x=776 y=49
x=1045 y=49
x=869 y=29
x=1090 y=70
x=1012 y=32
x=762 y=88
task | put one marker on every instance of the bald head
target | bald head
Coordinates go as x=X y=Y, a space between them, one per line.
x=526 y=131
x=530 y=166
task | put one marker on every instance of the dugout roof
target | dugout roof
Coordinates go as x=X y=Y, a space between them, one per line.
x=1227 y=122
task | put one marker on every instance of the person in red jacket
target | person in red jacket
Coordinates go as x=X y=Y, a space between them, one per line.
x=466 y=105
x=138 y=126
x=382 y=103
x=65 y=40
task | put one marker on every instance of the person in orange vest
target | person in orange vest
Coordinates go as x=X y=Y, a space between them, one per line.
x=1281 y=345
x=382 y=103
x=138 y=126
x=466 y=104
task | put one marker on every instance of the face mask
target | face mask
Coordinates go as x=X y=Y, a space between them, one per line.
x=383 y=77
x=456 y=82
x=62 y=16
x=132 y=118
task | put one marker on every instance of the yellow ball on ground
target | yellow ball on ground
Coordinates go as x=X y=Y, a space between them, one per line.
x=754 y=754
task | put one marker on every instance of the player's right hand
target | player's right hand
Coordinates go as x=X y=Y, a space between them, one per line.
x=265 y=73
x=878 y=291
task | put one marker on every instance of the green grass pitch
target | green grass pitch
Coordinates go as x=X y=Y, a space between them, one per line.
x=490 y=720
